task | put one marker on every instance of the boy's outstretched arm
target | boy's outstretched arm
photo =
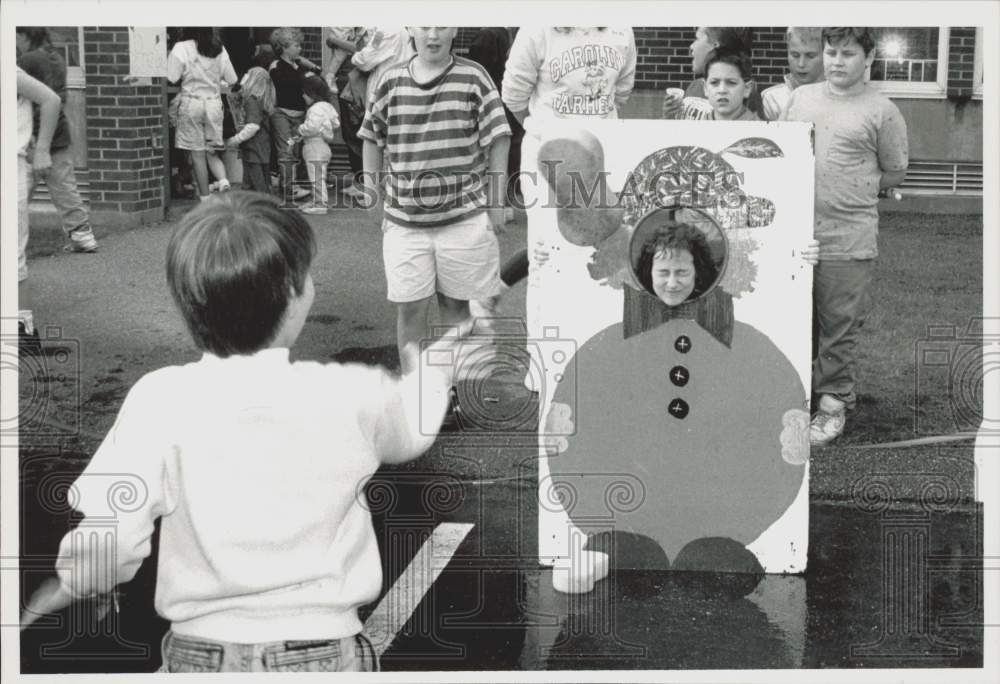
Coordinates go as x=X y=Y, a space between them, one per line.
x=120 y=494
x=415 y=404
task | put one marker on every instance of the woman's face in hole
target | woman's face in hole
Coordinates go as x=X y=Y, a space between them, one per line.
x=673 y=276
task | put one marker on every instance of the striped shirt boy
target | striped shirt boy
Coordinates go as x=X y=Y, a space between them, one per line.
x=436 y=137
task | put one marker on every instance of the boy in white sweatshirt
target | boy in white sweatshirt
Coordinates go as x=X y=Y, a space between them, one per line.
x=254 y=464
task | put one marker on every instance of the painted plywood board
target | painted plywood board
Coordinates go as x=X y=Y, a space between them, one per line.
x=678 y=427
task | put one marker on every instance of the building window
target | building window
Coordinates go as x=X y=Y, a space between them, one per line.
x=68 y=40
x=910 y=61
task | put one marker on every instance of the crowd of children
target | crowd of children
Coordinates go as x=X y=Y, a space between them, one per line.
x=246 y=589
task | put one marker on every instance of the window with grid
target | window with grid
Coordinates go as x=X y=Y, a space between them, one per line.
x=910 y=61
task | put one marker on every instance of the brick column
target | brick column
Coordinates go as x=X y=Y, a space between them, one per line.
x=961 y=62
x=312 y=44
x=125 y=133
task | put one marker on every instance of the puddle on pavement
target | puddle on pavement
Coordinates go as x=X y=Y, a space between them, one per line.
x=493 y=607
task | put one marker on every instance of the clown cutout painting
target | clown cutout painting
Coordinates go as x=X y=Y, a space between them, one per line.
x=676 y=436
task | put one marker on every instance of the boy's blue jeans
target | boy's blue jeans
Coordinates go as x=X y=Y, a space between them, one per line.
x=187 y=654
x=61 y=181
x=841 y=301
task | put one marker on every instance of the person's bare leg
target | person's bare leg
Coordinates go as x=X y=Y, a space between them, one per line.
x=411 y=327
x=200 y=167
x=216 y=165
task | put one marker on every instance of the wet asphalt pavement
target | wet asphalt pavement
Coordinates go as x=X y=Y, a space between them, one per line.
x=894 y=576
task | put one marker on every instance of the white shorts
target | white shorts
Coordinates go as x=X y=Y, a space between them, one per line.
x=199 y=123
x=460 y=260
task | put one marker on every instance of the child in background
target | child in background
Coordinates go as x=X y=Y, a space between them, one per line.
x=42 y=61
x=317 y=134
x=861 y=147
x=343 y=42
x=201 y=66
x=438 y=121
x=254 y=104
x=728 y=82
x=805 y=65
x=694 y=102
x=266 y=547
x=287 y=73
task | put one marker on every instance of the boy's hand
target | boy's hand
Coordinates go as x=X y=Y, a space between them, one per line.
x=495 y=216
x=41 y=162
x=810 y=253
x=48 y=598
x=673 y=102
x=446 y=344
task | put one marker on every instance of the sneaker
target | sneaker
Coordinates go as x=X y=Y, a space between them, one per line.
x=82 y=240
x=28 y=340
x=508 y=214
x=224 y=186
x=300 y=193
x=314 y=209
x=828 y=423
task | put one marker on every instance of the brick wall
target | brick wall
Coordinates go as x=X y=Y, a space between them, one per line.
x=312 y=43
x=125 y=141
x=664 y=56
x=961 y=61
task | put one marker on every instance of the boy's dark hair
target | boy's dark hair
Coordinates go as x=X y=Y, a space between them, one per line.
x=316 y=88
x=740 y=60
x=207 y=39
x=835 y=35
x=673 y=236
x=731 y=38
x=38 y=36
x=232 y=264
x=263 y=56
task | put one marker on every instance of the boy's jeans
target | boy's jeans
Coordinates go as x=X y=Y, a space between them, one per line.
x=841 y=301
x=61 y=182
x=188 y=654
x=283 y=127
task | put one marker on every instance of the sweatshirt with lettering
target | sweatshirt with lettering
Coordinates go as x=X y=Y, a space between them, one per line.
x=573 y=72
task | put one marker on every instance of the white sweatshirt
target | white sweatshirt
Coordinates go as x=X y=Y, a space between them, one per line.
x=386 y=47
x=256 y=466
x=570 y=72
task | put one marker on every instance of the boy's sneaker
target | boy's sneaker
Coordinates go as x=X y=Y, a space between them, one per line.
x=82 y=240
x=300 y=193
x=828 y=423
x=28 y=340
x=314 y=209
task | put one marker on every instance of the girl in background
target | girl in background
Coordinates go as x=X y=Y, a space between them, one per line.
x=317 y=134
x=253 y=107
x=201 y=65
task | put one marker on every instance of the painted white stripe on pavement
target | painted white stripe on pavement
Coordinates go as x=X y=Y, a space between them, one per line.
x=408 y=591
